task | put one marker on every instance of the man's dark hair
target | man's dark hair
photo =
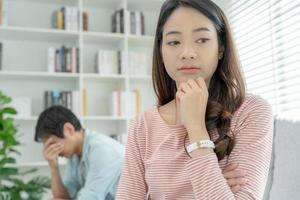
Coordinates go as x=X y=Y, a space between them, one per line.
x=52 y=120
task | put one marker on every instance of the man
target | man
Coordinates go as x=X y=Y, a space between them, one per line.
x=94 y=160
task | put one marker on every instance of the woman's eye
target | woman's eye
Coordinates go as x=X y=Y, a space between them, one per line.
x=172 y=43
x=202 y=40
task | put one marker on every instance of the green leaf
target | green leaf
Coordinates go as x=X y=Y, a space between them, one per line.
x=7 y=160
x=4 y=172
x=8 y=110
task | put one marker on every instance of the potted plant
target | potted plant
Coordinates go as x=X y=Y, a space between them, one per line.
x=12 y=183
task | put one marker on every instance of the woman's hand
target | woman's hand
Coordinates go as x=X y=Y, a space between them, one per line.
x=192 y=98
x=235 y=177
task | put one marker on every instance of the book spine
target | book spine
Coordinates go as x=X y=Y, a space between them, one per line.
x=132 y=22
x=77 y=60
x=84 y=102
x=114 y=22
x=143 y=23
x=51 y=59
x=73 y=60
x=85 y=20
x=59 y=20
x=4 y=13
x=122 y=20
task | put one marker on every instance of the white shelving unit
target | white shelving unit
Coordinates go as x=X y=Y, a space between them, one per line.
x=26 y=40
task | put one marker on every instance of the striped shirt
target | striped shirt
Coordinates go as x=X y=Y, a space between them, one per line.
x=157 y=167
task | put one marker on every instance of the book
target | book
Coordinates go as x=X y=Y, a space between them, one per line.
x=84 y=102
x=67 y=99
x=108 y=62
x=63 y=59
x=65 y=18
x=85 y=21
x=136 y=22
x=4 y=12
x=117 y=21
x=124 y=103
x=51 y=59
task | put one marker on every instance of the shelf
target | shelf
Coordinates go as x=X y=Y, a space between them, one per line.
x=103 y=118
x=26 y=118
x=103 y=38
x=27 y=74
x=99 y=76
x=37 y=164
x=40 y=34
x=140 y=77
x=55 y=2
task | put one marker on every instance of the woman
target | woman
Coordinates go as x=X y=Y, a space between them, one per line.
x=204 y=121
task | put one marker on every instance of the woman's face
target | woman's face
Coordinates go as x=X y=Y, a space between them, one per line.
x=190 y=46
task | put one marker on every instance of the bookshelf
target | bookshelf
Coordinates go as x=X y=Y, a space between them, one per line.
x=24 y=73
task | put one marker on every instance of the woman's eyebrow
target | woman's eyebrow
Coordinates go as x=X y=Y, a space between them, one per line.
x=195 y=30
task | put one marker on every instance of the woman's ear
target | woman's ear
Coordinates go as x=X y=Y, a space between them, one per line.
x=68 y=129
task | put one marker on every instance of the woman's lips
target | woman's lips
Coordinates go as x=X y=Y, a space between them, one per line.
x=189 y=69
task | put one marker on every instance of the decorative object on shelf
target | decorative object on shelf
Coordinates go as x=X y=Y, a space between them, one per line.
x=12 y=185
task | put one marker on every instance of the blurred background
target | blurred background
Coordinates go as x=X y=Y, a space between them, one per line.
x=95 y=56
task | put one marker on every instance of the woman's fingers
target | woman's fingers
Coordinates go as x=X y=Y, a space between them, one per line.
x=235 y=188
x=236 y=181
x=234 y=174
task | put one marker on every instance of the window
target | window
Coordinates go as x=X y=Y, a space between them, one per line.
x=267 y=34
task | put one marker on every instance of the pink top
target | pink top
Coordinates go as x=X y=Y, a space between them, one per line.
x=156 y=165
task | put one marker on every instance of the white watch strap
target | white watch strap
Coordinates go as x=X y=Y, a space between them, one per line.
x=203 y=144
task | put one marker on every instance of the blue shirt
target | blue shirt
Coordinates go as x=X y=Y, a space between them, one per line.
x=95 y=175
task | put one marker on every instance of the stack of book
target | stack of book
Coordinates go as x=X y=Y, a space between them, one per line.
x=125 y=103
x=66 y=18
x=136 y=22
x=138 y=63
x=3 y=12
x=68 y=99
x=63 y=59
x=117 y=21
x=110 y=62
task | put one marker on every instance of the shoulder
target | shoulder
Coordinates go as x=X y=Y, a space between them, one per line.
x=143 y=119
x=254 y=110
x=100 y=144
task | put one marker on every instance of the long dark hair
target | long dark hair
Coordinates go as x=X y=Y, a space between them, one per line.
x=227 y=86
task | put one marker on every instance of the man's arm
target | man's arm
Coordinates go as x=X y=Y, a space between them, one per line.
x=51 y=152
